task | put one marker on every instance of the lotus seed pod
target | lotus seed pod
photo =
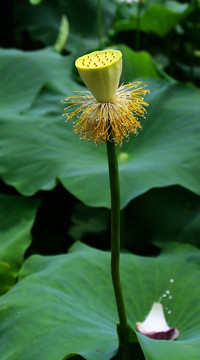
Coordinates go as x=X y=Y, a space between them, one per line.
x=101 y=71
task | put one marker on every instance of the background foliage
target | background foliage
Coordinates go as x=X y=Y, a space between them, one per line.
x=56 y=295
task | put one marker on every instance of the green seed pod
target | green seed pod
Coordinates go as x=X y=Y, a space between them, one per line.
x=101 y=71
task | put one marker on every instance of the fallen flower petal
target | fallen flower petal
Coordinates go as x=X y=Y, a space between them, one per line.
x=155 y=325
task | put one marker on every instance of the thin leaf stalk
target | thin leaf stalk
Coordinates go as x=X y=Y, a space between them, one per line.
x=138 y=21
x=99 y=24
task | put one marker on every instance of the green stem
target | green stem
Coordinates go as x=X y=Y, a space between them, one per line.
x=138 y=20
x=193 y=45
x=99 y=24
x=115 y=249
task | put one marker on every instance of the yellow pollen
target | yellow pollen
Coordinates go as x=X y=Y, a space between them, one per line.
x=113 y=120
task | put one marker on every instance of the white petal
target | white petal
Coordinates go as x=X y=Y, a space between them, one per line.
x=155 y=325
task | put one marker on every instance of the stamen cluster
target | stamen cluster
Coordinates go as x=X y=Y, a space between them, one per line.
x=112 y=120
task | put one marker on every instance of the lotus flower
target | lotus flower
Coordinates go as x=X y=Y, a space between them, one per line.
x=107 y=112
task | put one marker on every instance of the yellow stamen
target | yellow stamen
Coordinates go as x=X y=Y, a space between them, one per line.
x=111 y=120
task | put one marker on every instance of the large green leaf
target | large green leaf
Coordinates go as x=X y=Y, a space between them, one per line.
x=137 y=64
x=7 y=277
x=17 y=215
x=37 y=147
x=65 y=304
x=16 y=218
x=23 y=74
x=156 y=16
